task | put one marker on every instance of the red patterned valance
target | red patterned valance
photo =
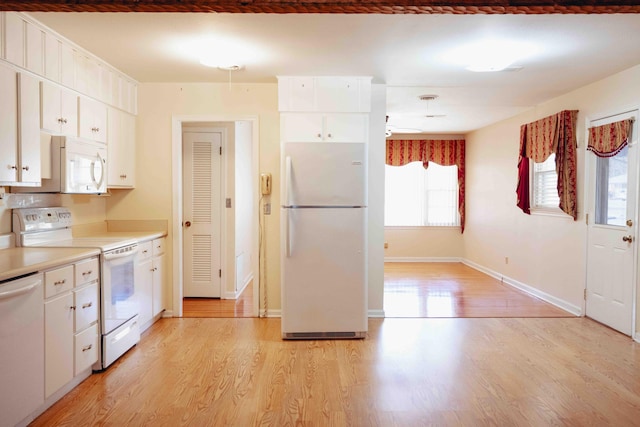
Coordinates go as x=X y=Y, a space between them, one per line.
x=441 y=151
x=553 y=134
x=607 y=140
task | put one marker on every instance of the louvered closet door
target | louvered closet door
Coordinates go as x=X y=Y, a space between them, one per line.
x=202 y=213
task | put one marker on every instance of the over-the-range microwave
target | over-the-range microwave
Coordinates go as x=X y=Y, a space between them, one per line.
x=78 y=166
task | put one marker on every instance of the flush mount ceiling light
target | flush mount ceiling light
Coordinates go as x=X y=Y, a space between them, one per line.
x=491 y=55
x=230 y=67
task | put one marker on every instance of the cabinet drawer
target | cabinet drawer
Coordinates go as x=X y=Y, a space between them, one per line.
x=87 y=271
x=158 y=247
x=58 y=281
x=145 y=250
x=86 y=349
x=86 y=302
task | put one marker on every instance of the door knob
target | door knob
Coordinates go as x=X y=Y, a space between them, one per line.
x=187 y=224
x=627 y=239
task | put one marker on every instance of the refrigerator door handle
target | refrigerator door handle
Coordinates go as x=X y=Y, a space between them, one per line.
x=288 y=243
x=288 y=171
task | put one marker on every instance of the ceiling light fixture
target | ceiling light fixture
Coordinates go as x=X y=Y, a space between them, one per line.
x=428 y=98
x=491 y=55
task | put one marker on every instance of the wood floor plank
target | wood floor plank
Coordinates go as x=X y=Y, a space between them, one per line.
x=455 y=290
x=407 y=372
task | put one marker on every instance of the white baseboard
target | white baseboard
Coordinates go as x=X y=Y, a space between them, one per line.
x=167 y=313
x=278 y=313
x=376 y=313
x=422 y=259
x=236 y=294
x=560 y=303
x=636 y=337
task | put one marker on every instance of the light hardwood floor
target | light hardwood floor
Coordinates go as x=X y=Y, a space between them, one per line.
x=455 y=290
x=216 y=307
x=417 y=290
x=408 y=372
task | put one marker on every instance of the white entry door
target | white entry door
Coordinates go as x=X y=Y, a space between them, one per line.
x=612 y=224
x=202 y=207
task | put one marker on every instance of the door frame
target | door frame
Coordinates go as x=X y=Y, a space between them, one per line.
x=212 y=128
x=587 y=202
x=177 y=123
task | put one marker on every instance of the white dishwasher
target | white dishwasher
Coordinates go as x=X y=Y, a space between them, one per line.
x=21 y=348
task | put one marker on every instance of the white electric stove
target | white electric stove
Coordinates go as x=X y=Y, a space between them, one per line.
x=51 y=227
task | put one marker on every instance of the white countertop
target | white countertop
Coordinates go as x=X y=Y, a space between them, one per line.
x=16 y=262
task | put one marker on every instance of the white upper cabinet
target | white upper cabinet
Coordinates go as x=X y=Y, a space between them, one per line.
x=14 y=38
x=59 y=110
x=52 y=58
x=34 y=53
x=121 y=150
x=19 y=129
x=325 y=94
x=29 y=172
x=92 y=120
x=331 y=127
x=9 y=124
x=67 y=67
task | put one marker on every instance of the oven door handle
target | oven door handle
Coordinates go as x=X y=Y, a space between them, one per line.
x=108 y=256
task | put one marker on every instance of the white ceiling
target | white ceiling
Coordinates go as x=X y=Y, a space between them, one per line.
x=406 y=52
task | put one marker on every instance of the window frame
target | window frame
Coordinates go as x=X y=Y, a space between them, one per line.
x=457 y=204
x=537 y=209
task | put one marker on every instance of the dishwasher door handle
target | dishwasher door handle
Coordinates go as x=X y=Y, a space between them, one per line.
x=20 y=291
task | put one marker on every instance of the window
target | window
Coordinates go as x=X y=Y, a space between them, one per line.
x=415 y=196
x=545 y=185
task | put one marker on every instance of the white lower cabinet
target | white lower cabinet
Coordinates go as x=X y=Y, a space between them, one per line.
x=71 y=322
x=150 y=280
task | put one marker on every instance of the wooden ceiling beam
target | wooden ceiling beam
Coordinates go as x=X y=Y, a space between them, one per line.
x=461 y=7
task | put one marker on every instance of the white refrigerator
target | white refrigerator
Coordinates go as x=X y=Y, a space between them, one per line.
x=324 y=244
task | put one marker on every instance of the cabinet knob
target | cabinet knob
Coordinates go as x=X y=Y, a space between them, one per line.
x=60 y=120
x=87 y=347
x=123 y=176
x=64 y=120
x=26 y=168
x=12 y=167
x=329 y=135
x=87 y=304
x=59 y=282
x=319 y=135
x=187 y=224
x=86 y=273
x=73 y=307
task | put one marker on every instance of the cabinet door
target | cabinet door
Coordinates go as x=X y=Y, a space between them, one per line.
x=58 y=342
x=14 y=38
x=337 y=94
x=144 y=289
x=158 y=284
x=346 y=127
x=67 y=68
x=9 y=126
x=34 y=49
x=52 y=57
x=121 y=149
x=69 y=113
x=303 y=127
x=50 y=117
x=29 y=119
x=92 y=120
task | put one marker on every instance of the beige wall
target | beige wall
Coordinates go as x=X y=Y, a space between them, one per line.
x=423 y=243
x=157 y=104
x=547 y=253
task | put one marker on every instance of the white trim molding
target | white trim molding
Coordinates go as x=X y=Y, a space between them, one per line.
x=236 y=294
x=422 y=259
x=375 y=313
x=560 y=303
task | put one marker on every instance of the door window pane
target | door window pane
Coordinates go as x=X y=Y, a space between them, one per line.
x=611 y=189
